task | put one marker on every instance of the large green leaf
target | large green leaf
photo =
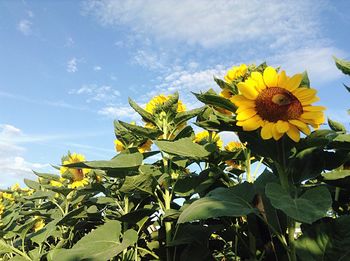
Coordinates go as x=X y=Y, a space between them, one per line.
x=121 y=161
x=186 y=115
x=342 y=65
x=342 y=141
x=143 y=113
x=102 y=244
x=217 y=101
x=183 y=147
x=32 y=184
x=328 y=240
x=233 y=202
x=41 y=235
x=336 y=126
x=339 y=178
x=309 y=207
x=144 y=182
x=141 y=131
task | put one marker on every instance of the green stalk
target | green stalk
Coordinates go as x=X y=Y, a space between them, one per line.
x=248 y=171
x=286 y=184
x=167 y=199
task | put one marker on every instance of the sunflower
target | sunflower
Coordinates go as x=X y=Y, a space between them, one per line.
x=278 y=104
x=146 y=146
x=2 y=208
x=78 y=176
x=234 y=146
x=15 y=187
x=235 y=72
x=203 y=137
x=161 y=99
x=39 y=224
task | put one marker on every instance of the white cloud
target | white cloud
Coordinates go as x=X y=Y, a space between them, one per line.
x=214 y=23
x=25 y=26
x=97 y=68
x=13 y=167
x=149 y=60
x=72 y=65
x=119 y=112
x=69 y=42
x=103 y=93
x=317 y=61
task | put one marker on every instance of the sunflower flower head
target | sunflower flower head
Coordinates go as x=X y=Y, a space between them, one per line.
x=203 y=137
x=15 y=187
x=8 y=196
x=234 y=146
x=236 y=72
x=278 y=104
x=74 y=174
x=2 y=208
x=160 y=100
x=40 y=223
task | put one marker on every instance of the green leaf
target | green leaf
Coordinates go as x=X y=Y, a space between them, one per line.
x=183 y=147
x=102 y=244
x=339 y=178
x=41 y=235
x=143 y=113
x=141 y=131
x=224 y=85
x=342 y=141
x=40 y=195
x=47 y=176
x=135 y=216
x=305 y=82
x=309 y=207
x=32 y=184
x=144 y=182
x=121 y=161
x=232 y=202
x=336 y=126
x=186 y=115
x=216 y=100
x=347 y=88
x=342 y=65
x=328 y=239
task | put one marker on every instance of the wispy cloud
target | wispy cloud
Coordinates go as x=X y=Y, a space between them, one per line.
x=149 y=60
x=25 y=26
x=72 y=65
x=97 y=68
x=119 y=112
x=214 y=23
x=13 y=166
x=69 y=42
x=93 y=92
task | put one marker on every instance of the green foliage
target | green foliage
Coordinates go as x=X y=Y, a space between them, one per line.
x=187 y=198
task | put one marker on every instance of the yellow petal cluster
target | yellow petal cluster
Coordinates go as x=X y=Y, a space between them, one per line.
x=161 y=99
x=203 y=137
x=235 y=72
x=277 y=104
x=78 y=175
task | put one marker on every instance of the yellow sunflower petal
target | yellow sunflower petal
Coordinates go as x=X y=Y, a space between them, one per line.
x=282 y=79
x=311 y=115
x=314 y=108
x=266 y=131
x=246 y=114
x=275 y=133
x=282 y=126
x=252 y=123
x=293 y=82
x=293 y=133
x=256 y=76
x=309 y=100
x=270 y=77
x=248 y=91
x=301 y=126
x=305 y=95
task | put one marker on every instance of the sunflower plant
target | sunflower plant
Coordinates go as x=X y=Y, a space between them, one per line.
x=178 y=190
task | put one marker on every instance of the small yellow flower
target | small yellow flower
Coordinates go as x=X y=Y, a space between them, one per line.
x=78 y=174
x=55 y=183
x=15 y=187
x=39 y=224
x=161 y=99
x=145 y=146
x=234 y=145
x=119 y=146
x=278 y=104
x=79 y=183
x=2 y=208
x=8 y=196
x=203 y=137
x=235 y=72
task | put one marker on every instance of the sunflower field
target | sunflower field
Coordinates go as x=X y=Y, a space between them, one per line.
x=280 y=191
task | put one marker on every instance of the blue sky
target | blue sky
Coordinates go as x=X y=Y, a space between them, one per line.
x=68 y=67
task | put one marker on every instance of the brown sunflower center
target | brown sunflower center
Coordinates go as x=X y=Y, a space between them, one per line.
x=276 y=103
x=78 y=175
